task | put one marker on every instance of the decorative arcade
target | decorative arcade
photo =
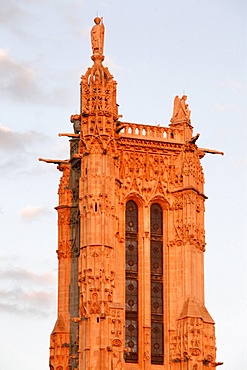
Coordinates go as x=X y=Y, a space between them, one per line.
x=131 y=238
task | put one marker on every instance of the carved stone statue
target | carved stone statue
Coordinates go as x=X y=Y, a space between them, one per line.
x=117 y=362
x=97 y=36
x=181 y=109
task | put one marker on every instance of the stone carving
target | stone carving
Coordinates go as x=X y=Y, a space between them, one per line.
x=116 y=338
x=75 y=231
x=147 y=344
x=191 y=341
x=117 y=360
x=190 y=228
x=116 y=330
x=96 y=286
x=59 y=348
x=63 y=217
x=98 y=93
x=76 y=120
x=146 y=175
x=64 y=190
x=99 y=111
x=95 y=307
x=181 y=110
x=97 y=36
x=99 y=202
x=158 y=173
x=74 y=147
x=192 y=169
x=64 y=250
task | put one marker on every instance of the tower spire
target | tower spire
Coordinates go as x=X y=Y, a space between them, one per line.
x=131 y=238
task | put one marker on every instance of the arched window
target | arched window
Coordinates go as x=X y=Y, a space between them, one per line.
x=131 y=287
x=156 y=276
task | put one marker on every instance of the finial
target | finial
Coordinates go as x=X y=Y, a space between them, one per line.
x=97 y=36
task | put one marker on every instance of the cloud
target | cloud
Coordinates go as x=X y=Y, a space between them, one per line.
x=18 y=80
x=38 y=303
x=22 y=274
x=15 y=15
x=16 y=148
x=31 y=213
x=25 y=292
x=235 y=86
x=227 y=107
x=15 y=141
x=10 y=11
x=10 y=139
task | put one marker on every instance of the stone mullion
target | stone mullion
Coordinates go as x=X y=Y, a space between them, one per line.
x=145 y=288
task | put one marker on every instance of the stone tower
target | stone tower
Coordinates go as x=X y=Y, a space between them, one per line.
x=131 y=239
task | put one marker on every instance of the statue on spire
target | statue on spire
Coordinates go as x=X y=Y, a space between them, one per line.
x=181 y=110
x=97 y=36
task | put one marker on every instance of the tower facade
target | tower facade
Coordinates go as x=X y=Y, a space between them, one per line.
x=131 y=239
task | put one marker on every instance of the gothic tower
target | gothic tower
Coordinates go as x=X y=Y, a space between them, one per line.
x=131 y=239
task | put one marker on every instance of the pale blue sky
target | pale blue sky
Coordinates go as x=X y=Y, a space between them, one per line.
x=155 y=50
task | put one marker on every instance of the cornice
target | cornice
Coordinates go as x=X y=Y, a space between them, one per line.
x=145 y=142
x=189 y=188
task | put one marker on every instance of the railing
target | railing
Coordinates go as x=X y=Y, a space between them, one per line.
x=148 y=131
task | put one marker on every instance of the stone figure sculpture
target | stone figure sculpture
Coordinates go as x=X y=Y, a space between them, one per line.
x=97 y=36
x=181 y=109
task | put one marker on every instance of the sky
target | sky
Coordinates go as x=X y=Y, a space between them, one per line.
x=156 y=50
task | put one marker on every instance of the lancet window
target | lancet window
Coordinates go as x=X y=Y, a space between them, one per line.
x=131 y=286
x=156 y=277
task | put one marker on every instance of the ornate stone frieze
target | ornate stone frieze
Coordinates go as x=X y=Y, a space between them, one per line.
x=136 y=144
x=146 y=174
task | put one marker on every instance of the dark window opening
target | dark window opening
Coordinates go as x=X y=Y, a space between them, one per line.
x=131 y=284
x=156 y=277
